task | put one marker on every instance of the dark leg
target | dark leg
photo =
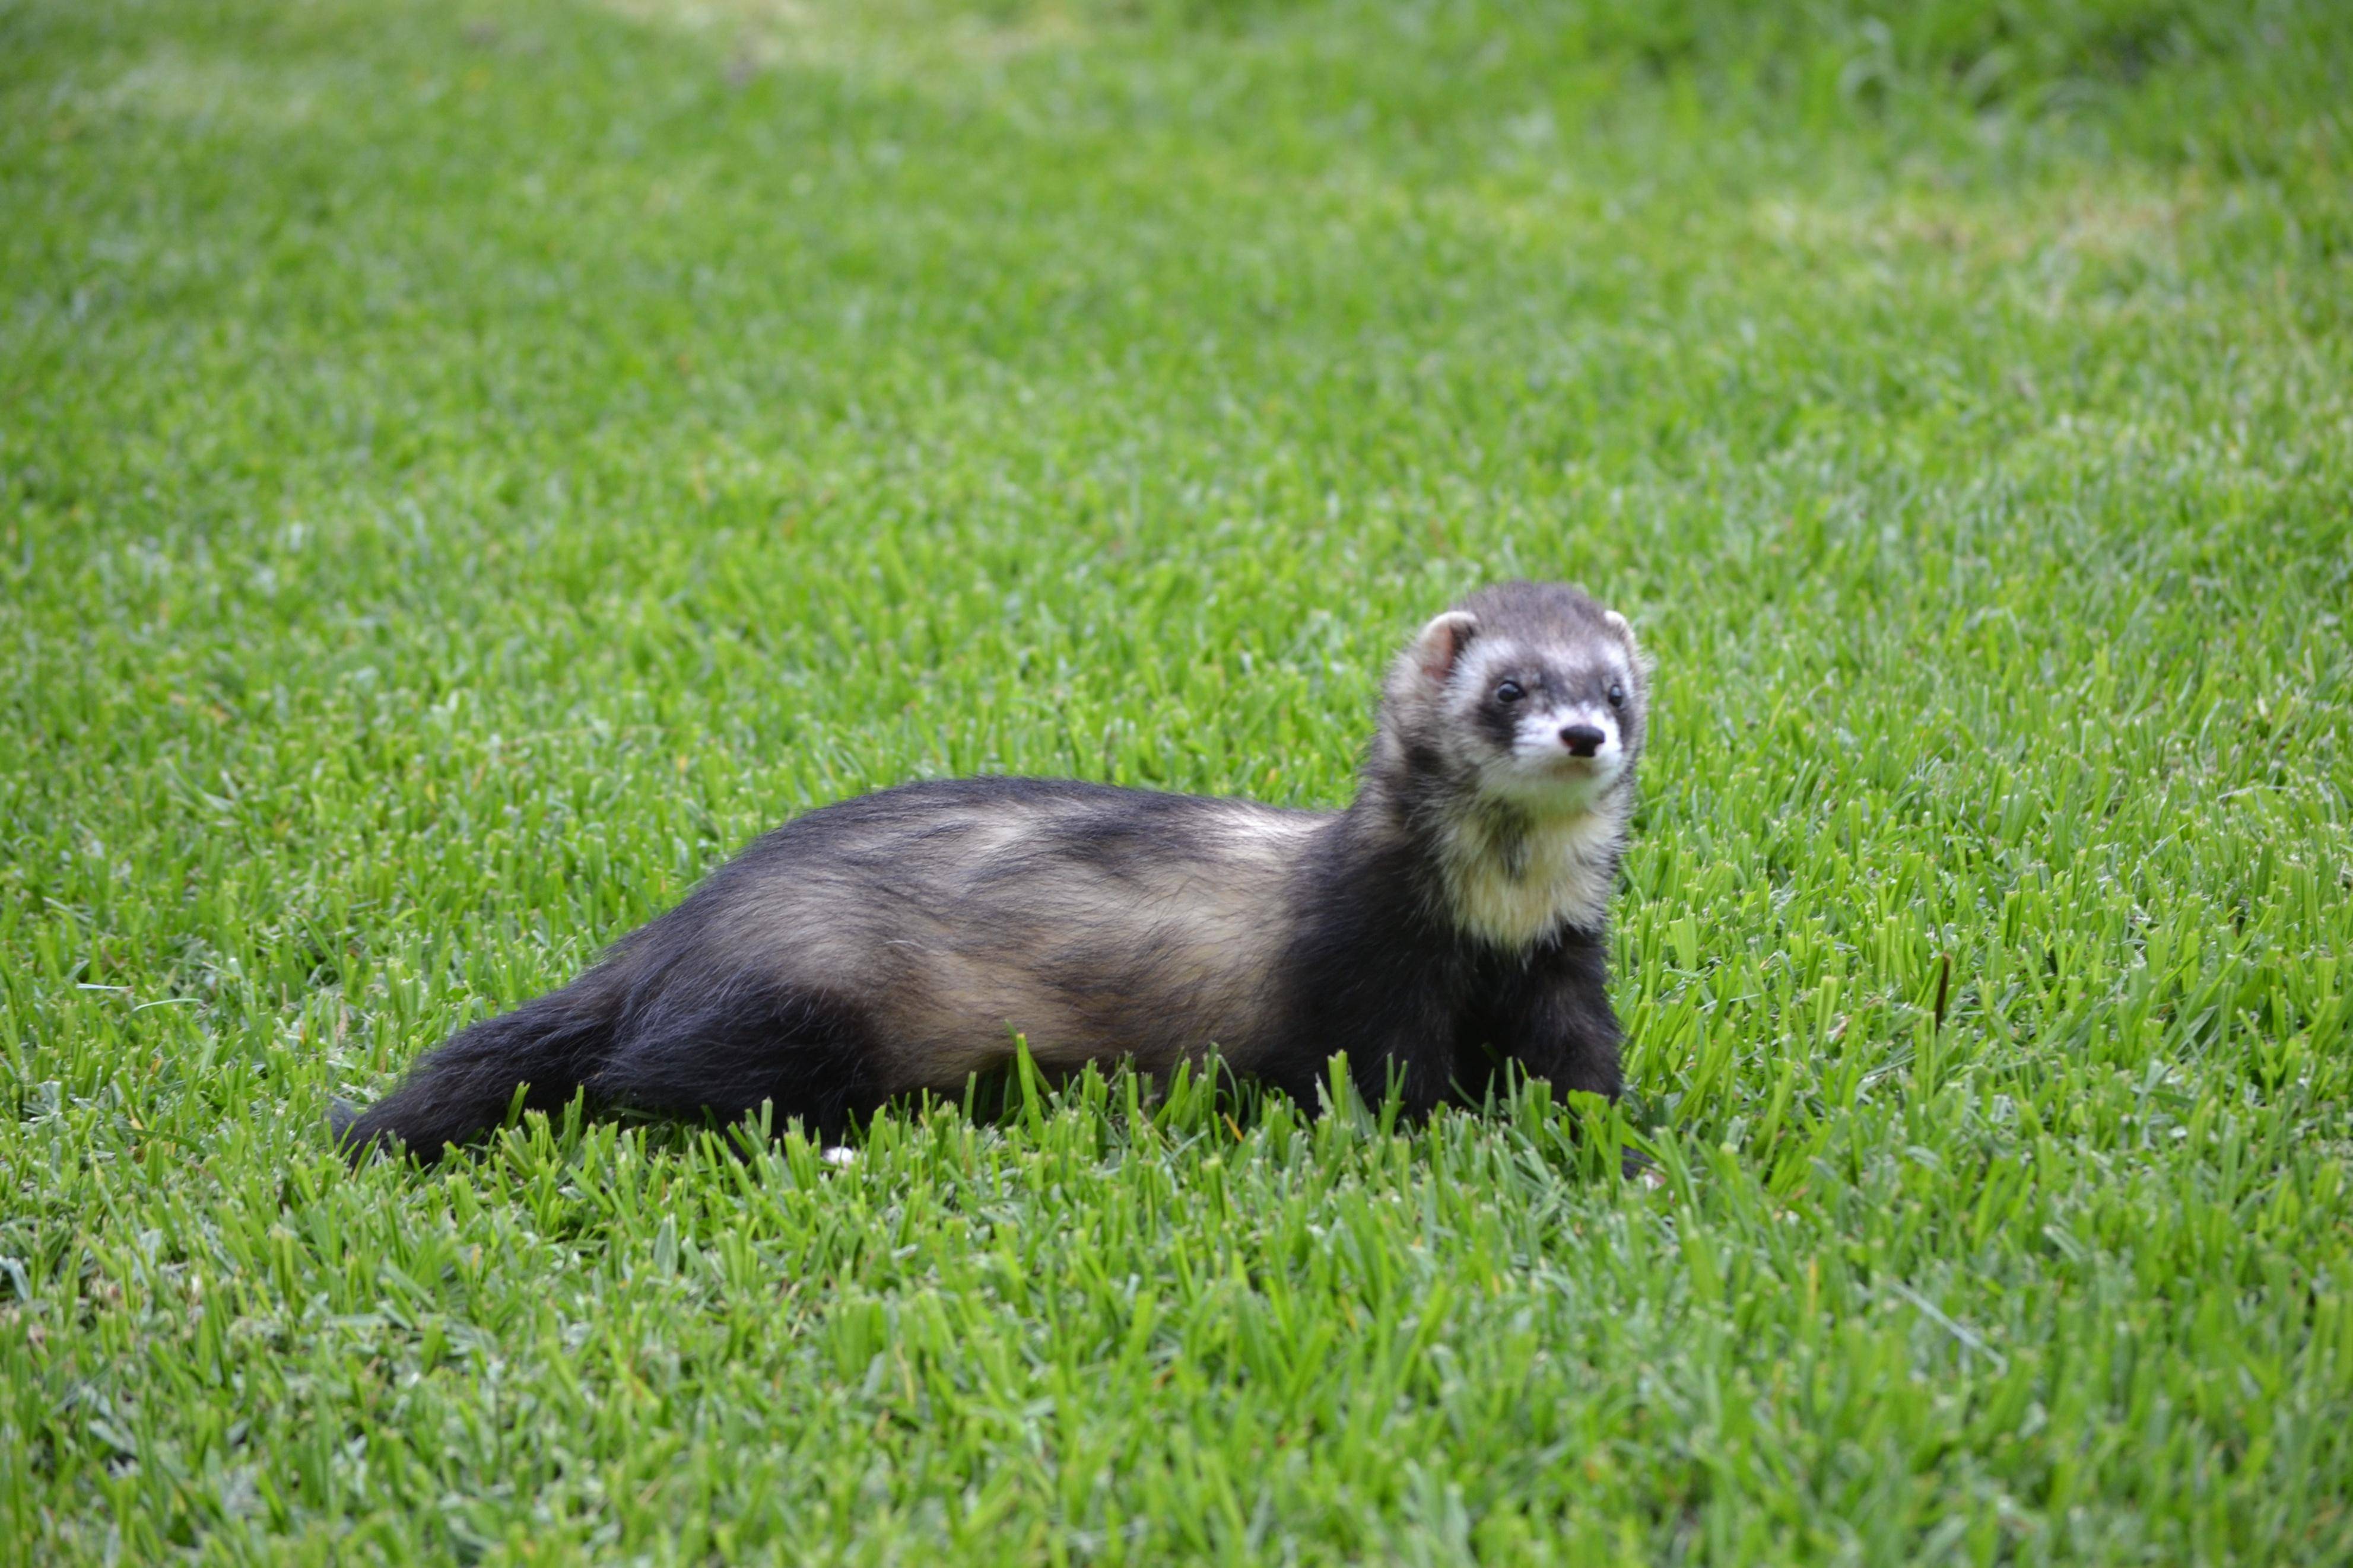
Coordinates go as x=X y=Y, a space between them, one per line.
x=1403 y=1036
x=1554 y=1019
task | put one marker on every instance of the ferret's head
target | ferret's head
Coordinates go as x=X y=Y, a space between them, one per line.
x=1525 y=693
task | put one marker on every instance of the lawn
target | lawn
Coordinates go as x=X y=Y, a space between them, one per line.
x=466 y=466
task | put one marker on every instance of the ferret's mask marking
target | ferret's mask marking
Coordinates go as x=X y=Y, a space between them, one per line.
x=1529 y=719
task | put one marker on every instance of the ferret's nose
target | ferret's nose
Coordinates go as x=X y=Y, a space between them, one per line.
x=1582 y=740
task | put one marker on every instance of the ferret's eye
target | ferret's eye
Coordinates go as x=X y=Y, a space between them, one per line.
x=1617 y=695
x=1509 y=691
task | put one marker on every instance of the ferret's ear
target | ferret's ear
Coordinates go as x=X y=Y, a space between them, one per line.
x=1442 y=642
x=1641 y=661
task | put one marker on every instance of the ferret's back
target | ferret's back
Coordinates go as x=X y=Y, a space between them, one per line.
x=1092 y=919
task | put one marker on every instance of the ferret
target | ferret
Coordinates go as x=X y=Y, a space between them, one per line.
x=1449 y=922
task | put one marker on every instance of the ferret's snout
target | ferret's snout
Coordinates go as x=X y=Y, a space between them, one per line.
x=1582 y=740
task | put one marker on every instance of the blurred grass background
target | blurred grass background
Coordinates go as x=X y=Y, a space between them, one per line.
x=465 y=469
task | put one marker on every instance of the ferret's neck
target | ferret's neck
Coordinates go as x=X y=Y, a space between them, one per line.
x=1513 y=878
x=1498 y=873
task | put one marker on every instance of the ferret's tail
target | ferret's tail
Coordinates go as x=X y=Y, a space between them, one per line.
x=546 y=1048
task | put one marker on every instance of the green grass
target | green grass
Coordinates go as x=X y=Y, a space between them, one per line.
x=466 y=467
